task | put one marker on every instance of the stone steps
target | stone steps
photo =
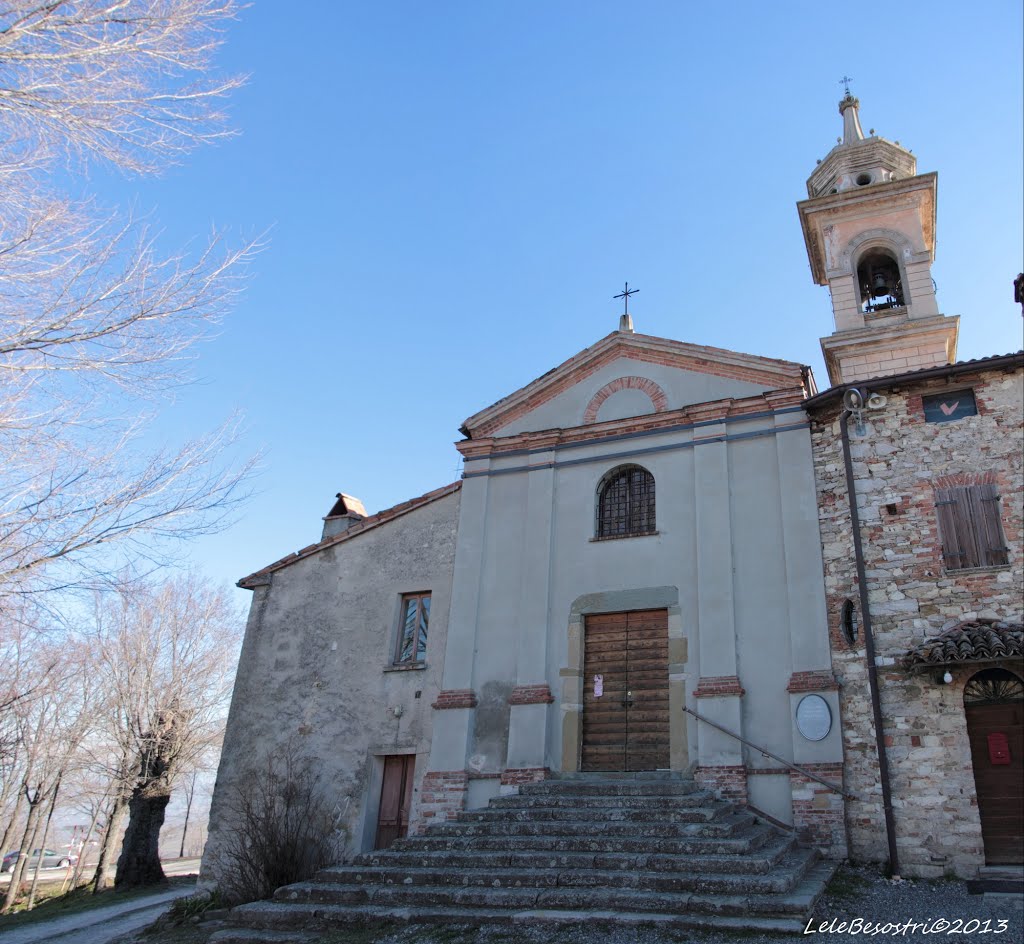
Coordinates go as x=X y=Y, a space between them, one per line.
x=655 y=850
x=752 y=913
x=320 y=920
x=750 y=841
x=714 y=899
x=585 y=816
x=599 y=803
x=767 y=855
x=725 y=824
x=786 y=873
x=610 y=788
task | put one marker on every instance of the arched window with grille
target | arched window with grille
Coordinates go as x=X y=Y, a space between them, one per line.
x=625 y=503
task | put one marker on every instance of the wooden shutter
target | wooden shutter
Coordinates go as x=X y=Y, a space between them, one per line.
x=969 y=526
x=990 y=528
x=953 y=552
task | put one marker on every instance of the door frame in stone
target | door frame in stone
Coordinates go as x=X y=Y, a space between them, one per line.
x=365 y=833
x=623 y=601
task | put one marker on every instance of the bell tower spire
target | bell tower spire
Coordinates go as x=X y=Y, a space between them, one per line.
x=849 y=108
x=869 y=226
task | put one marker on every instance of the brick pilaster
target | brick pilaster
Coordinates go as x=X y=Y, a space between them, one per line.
x=442 y=797
x=820 y=680
x=729 y=781
x=531 y=695
x=713 y=686
x=818 y=811
x=517 y=776
x=455 y=698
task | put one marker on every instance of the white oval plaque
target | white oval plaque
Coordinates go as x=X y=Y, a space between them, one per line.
x=813 y=717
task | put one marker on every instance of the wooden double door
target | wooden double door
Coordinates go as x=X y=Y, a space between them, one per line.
x=625 y=691
x=395 y=799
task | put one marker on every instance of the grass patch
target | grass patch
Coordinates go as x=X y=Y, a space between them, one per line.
x=167 y=934
x=847 y=885
x=51 y=904
x=194 y=906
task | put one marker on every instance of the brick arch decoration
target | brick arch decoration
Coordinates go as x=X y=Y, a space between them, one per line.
x=962 y=479
x=649 y=387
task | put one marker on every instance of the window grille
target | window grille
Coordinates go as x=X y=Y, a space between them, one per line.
x=993 y=687
x=626 y=504
x=969 y=527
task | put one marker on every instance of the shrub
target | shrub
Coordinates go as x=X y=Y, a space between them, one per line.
x=282 y=830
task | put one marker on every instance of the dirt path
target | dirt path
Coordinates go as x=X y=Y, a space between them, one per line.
x=99 y=925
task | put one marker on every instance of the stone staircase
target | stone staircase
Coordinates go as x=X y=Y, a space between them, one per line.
x=639 y=850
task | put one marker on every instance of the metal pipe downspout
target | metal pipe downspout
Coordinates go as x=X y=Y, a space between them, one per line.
x=869 y=646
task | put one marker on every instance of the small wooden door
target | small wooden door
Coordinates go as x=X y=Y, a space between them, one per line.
x=395 y=799
x=625 y=691
x=994 y=707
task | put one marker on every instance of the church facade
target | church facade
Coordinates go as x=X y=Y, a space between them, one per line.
x=646 y=566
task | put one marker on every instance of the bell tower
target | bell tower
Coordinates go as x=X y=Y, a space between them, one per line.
x=869 y=226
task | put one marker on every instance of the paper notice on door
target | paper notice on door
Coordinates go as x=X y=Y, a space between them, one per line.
x=598 y=686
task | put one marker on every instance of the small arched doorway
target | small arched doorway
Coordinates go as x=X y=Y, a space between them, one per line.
x=994 y=707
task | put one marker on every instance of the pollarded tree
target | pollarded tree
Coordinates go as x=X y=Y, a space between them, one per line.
x=93 y=319
x=168 y=654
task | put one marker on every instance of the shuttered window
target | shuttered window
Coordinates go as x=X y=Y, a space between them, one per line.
x=969 y=527
x=625 y=504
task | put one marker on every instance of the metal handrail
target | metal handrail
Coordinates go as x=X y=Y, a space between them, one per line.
x=767 y=753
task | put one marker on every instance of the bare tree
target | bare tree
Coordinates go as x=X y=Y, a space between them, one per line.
x=94 y=321
x=168 y=655
x=56 y=723
x=124 y=80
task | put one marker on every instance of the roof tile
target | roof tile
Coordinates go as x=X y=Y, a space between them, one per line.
x=981 y=640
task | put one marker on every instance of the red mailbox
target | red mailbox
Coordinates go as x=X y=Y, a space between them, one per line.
x=998 y=749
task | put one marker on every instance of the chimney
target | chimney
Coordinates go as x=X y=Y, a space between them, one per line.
x=345 y=512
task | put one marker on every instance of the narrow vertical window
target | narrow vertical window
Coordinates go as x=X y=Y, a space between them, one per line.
x=848 y=621
x=412 y=630
x=625 y=503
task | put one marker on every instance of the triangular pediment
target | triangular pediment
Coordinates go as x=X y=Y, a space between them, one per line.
x=645 y=374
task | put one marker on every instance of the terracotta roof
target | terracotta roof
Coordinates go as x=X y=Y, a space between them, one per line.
x=981 y=640
x=994 y=361
x=262 y=576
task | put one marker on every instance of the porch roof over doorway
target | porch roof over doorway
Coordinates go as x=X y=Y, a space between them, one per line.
x=973 y=641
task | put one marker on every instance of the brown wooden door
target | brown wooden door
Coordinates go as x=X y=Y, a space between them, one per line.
x=625 y=715
x=997 y=749
x=395 y=799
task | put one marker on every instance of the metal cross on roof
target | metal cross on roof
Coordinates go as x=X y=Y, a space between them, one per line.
x=845 y=82
x=624 y=295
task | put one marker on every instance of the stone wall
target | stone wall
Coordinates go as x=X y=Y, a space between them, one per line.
x=316 y=674
x=897 y=462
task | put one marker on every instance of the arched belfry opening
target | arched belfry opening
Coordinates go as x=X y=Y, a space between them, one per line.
x=880 y=281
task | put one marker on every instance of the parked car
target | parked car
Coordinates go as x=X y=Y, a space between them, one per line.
x=51 y=860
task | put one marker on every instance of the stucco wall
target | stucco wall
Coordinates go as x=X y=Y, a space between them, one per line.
x=913 y=597
x=316 y=668
x=681 y=388
x=736 y=549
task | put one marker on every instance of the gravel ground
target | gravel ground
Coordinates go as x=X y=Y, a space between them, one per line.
x=854 y=893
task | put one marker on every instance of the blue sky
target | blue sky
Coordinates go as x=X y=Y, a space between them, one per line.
x=456 y=190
